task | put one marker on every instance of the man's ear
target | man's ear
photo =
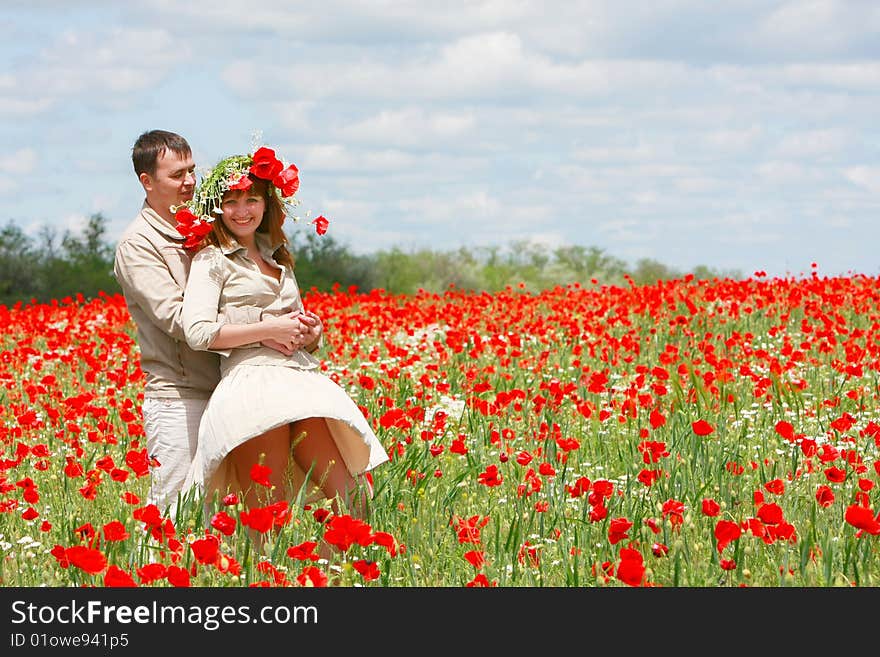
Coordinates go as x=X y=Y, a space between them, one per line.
x=146 y=181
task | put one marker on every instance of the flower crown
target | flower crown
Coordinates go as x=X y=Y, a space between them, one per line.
x=195 y=217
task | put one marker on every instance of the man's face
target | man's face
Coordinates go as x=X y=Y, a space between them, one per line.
x=172 y=184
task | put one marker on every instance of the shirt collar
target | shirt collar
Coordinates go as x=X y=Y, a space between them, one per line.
x=157 y=222
x=265 y=247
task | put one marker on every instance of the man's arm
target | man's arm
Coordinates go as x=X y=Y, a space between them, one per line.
x=147 y=281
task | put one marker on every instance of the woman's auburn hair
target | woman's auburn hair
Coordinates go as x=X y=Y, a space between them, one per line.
x=271 y=225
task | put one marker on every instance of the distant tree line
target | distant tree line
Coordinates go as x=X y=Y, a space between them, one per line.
x=52 y=266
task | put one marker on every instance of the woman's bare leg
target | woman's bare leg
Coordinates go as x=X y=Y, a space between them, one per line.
x=271 y=449
x=314 y=447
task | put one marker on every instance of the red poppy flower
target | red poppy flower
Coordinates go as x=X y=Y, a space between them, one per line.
x=223 y=523
x=387 y=541
x=177 y=576
x=73 y=468
x=118 y=474
x=312 y=576
x=631 y=569
x=116 y=577
x=278 y=577
x=88 y=559
x=863 y=519
x=138 y=461
x=598 y=512
x=702 y=428
x=648 y=477
x=115 y=531
x=726 y=531
x=490 y=477
x=206 y=550
x=480 y=581
x=824 y=496
x=287 y=181
x=656 y=419
x=185 y=217
x=266 y=165
x=617 y=530
x=469 y=530
x=770 y=514
x=105 y=463
x=775 y=486
x=260 y=475
x=152 y=572
x=259 y=519
x=368 y=569
x=711 y=508
x=149 y=515
x=476 y=558
x=835 y=474
x=727 y=564
x=581 y=486
x=785 y=429
x=674 y=511
x=60 y=554
x=242 y=184
x=343 y=531
x=303 y=551
x=321 y=224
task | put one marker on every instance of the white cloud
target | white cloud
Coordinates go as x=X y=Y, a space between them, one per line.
x=626 y=231
x=411 y=126
x=814 y=143
x=857 y=76
x=489 y=65
x=22 y=161
x=864 y=176
x=102 y=67
x=783 y=172
x=733 y=141
x=827 y=26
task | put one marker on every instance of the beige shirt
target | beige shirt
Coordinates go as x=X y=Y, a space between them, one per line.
x=225 y=284
x=152 y=266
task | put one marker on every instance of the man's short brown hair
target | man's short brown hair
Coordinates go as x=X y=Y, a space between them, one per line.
x=153 y=143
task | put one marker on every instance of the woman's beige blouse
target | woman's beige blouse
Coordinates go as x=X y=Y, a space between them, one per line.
x=227 y=287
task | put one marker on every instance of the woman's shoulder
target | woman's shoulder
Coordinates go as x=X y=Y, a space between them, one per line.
x=210 y=259
x=209 y=253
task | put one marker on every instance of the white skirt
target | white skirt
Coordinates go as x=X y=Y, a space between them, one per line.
x=252 y=399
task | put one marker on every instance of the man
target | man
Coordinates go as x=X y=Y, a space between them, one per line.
x=152 y=266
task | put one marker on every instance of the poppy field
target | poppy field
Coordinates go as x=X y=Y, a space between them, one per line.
x=709 y=433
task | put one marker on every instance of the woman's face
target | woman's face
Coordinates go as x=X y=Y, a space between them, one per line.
x=243 y=212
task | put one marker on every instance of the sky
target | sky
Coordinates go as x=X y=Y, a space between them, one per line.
x=742 y=135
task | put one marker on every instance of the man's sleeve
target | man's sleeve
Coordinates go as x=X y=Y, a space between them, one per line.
x=147 y=281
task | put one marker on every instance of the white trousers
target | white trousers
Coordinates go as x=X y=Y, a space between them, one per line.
x=172 y=431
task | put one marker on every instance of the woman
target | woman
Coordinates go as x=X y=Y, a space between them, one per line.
x=269 y=408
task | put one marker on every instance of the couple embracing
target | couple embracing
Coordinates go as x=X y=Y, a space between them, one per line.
x=226 y=344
